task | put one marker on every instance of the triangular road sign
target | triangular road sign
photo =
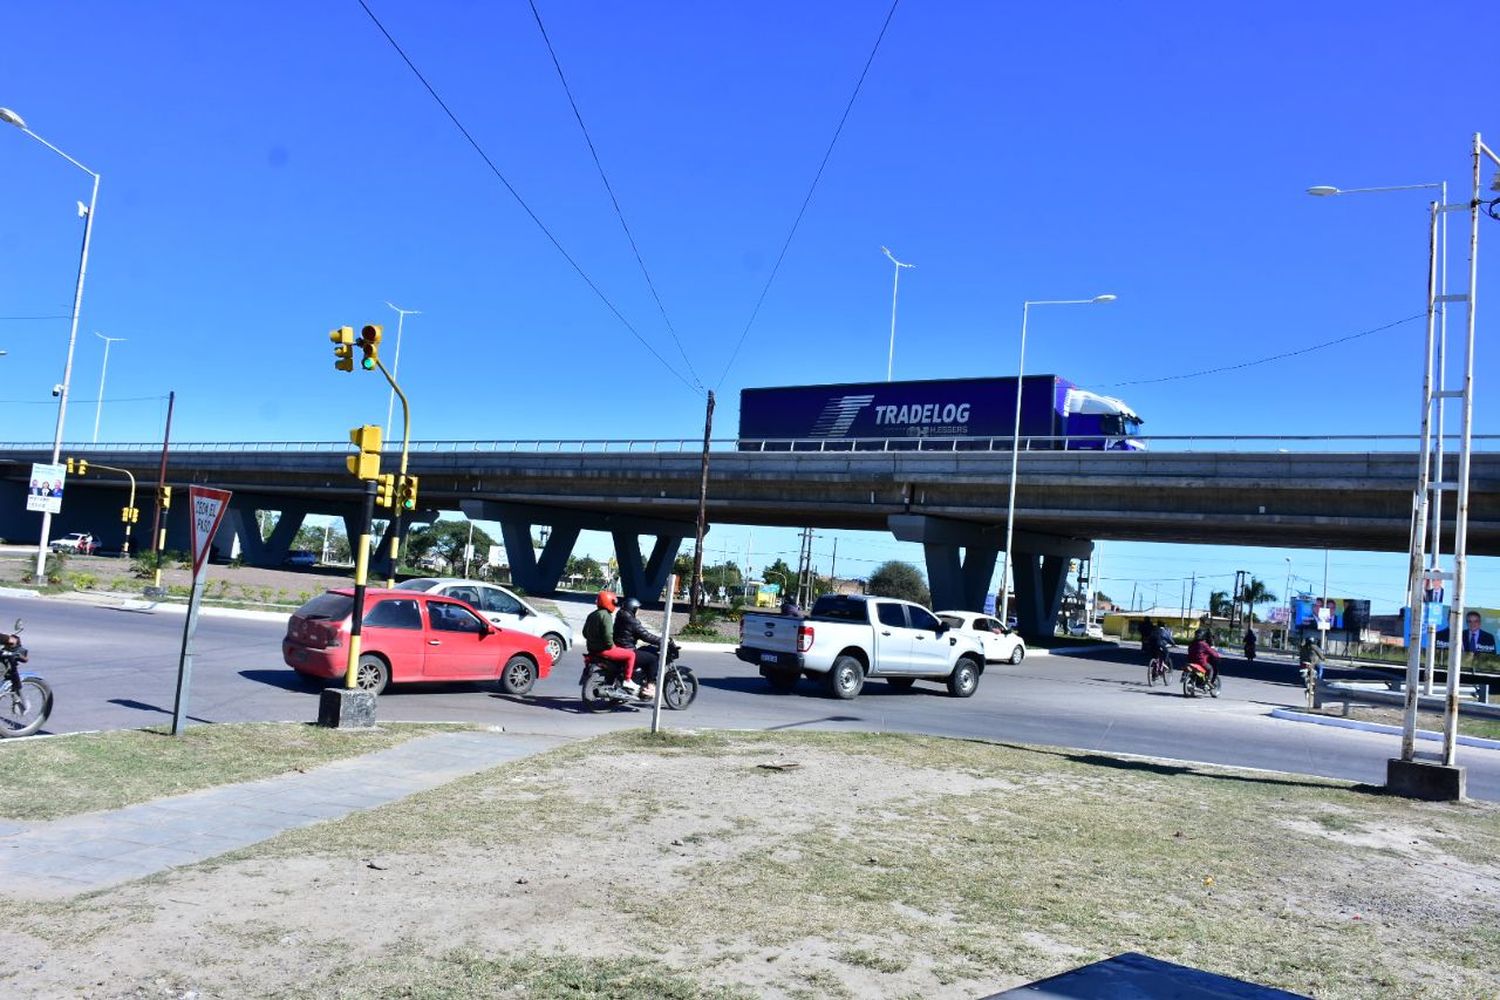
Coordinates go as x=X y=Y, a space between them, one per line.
x=207 y=507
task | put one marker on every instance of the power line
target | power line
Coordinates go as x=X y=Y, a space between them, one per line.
x=838 y=130
x=1274 y=357
x=519 y=200
x=608 y=187
x=53 y=402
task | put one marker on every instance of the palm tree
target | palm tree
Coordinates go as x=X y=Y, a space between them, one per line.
x=1218 y=604
x=1254 y=595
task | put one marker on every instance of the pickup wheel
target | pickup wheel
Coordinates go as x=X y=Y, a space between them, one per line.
x=782 y=679
x=846 y=678
x=964 y=680
x=901 y=683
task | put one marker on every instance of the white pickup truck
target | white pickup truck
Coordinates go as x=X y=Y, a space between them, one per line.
x=848 y=639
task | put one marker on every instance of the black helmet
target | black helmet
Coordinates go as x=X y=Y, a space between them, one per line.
x=632 y=605
x=1201 y=635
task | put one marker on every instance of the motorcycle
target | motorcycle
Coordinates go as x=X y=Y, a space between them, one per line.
x=25 y=699
x=1195 y=681
x=600 y=683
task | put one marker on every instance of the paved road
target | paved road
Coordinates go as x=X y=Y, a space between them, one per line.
x=116 y=669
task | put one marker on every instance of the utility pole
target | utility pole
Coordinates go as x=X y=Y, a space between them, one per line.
x=163 y=498
x=695 y=598
x=1193 y=592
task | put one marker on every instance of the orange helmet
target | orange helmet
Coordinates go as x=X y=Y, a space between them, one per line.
x=607 y=600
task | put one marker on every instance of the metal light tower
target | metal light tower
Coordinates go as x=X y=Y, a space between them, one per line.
x=890 y=358
x=9 y=117
x=103 y=370
x=1015 y=444
x=390 y=407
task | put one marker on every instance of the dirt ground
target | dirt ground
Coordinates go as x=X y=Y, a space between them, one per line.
x=802 y=866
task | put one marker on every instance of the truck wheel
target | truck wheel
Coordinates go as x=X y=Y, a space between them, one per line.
x=901 y=683
x=964 y=680
x=846 y=678
x=782 y=680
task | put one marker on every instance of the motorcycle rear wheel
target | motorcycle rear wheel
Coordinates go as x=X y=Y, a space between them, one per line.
x=594 y=683
x=24 y=712
x=678 y=689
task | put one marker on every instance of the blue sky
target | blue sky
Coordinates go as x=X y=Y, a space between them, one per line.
x=273 y=170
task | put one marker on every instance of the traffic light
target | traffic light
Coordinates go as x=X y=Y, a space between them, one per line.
x=80 y=466
x=343 y=348
x=385 y=490
x=165 y=497
x=365 y=465
x=407 y=496
x=129 y=515
x=369 y=342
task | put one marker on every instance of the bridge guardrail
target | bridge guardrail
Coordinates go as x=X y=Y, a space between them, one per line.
x=1171 y=443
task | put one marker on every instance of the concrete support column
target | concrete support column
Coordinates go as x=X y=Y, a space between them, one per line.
x=1040 y=581
x=959 y=577
x=645 y=579
x=532 y=574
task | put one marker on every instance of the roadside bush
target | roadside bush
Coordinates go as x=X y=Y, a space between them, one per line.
x=703 y=623
x=84 y=581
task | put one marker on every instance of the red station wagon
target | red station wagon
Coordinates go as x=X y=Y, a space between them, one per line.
x=410 y=636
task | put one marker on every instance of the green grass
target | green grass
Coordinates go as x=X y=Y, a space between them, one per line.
x=66 y=775
x=1468 y=725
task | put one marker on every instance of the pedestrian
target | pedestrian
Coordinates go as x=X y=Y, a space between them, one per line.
x=1250 y=644
x=1311 y=661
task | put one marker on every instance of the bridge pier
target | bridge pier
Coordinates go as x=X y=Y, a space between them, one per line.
x=961 y=557
x=243 y=528
x=640 y=577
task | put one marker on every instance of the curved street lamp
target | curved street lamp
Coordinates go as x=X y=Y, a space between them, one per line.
x=10 y=117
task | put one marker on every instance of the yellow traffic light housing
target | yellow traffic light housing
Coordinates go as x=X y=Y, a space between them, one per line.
x=407 y=496
x=385 y=490
x=129 y=515
x=369 y=343
x=365 y=465
x=78 y=466
x=343 y=348
x=165 y=497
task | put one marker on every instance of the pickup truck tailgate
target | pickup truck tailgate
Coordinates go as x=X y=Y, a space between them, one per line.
x=770 y=633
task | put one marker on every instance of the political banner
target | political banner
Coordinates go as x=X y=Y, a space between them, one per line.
x=1337 y=614
x=46 y=492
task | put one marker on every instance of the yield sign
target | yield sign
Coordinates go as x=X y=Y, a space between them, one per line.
x=208 y=508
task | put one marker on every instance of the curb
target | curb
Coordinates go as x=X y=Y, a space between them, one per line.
x=1378 y=727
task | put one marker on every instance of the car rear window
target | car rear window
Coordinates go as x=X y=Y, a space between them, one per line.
x=327 y=607
x=840 y=608
x=953 y=621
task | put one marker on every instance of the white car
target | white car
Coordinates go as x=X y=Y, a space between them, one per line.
x=501 y=607
x=1092 y=630
x=1001 y=645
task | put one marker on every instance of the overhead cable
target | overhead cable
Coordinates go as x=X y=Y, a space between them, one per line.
x=468 y=136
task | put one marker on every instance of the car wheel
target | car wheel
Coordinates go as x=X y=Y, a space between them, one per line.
x=518 y=676
x=964 y=680
x=372 y=674
x=554 y=645
x=1018 y=654
x=782 y=680
x=846 y=678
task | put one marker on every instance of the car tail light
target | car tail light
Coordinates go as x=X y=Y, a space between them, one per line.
x=333 y=637
x=804 y=638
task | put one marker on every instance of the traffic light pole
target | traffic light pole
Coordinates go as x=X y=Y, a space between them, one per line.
x=361 y=574
x=397 y=525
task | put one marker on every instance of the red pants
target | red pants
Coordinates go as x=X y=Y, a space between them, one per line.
x=618 y=654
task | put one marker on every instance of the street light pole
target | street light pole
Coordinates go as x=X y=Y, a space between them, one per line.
x=390 y=406
x=890 y=358
x=11 y=118
x=1286 y=632
x=1015 y=445
x=103 y=370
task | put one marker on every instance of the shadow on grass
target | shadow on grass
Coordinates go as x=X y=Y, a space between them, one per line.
x=141 y=706
x=1169 y=769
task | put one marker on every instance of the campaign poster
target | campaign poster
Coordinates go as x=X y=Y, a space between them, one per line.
x=46 y=491
x=1342 y=614
x=1478 y=630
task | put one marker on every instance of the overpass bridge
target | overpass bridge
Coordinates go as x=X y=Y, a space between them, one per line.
x=951 y=501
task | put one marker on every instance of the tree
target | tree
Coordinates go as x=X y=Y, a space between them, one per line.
x=443 y=542
x=900 y=580
x=586 y=567
x=1254 y=595
x=727 y=574
x=1219 y=604
x=781 y=574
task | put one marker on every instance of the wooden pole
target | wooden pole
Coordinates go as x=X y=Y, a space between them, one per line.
x=695 y=598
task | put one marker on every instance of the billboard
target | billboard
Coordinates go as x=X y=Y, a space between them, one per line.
x=1478 y=630
x=46 y=490
x=1341 y=614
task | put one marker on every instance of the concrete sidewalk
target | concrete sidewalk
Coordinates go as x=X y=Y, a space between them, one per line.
x=79 y=854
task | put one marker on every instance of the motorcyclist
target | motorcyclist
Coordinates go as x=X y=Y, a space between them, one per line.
x=599 y=635
x=12 y=655
x=628 y=631
x=1202 y=658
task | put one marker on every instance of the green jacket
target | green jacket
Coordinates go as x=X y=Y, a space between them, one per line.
x=599 y=631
